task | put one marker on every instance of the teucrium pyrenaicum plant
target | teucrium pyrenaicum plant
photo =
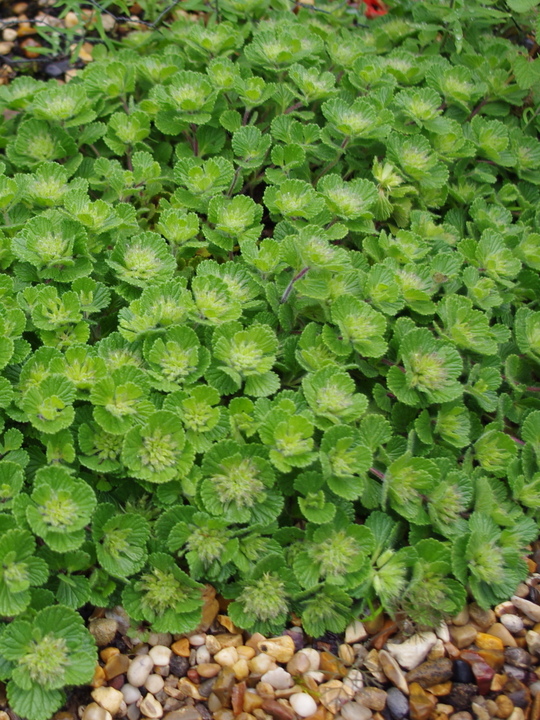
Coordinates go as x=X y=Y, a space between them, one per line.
x=267 y=321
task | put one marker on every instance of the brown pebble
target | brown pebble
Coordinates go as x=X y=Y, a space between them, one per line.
x=498 y=630
x=228 y=624
x=226 y=640
x=208 y=670
x=463 y=635
x=251 y=701
x=116 y=665
x=505 y=706
x=181 y=647
x=431 y=672
x=498 y=682
x=441 y=689
x=254 y=641
x=99 y=677
x=118 y=682
x=26 y=46
x=372 y=697
x=484 y=641
x=388 y=629
x=193 y=675
x=461 y=715
x=237 y=697
x=223 y=686
x=483 y=618
x=421 y=702
x=331 y=666
x=494 y=658
x=108 y=653
x=278 y=710
x=372 y=627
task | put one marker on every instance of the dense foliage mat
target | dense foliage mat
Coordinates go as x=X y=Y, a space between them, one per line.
x=269 y=320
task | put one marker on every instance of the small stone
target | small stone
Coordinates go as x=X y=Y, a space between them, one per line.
x=160 y=654
x=397 y=704
x=442 y=632
x=280 y=648
x=9 y=35
x=355 y=632
x=505 y=706
x=354 y=679
x=261 y=664
x=480 y=712
x=299 y=663
x=184 y=713
x=393 y=672
x=245 y=652
x=278 y=678
x=313 y=656
x=151 y=707
x=518 y=693
x=531 y=610
x=96 y=712
x=462 y=715
x=488 y=642
x=532 y=639
x=463 y=635
x=483 y=673
x=462 y=618
x=331 y=666
x=372 y=664
x=413 y=651
x=223 y=686
x=303 y=704
x=278 y=710
x=499 y=630
x=354 y=711
x=517 y=714
x=108 y=698
x=373 y=698
x=437 y=651
x=421 y=703
x=178 y=665
x=346 y=654
x=441 y=689
x=513 y=623
x=71 y=20
x=202 y=655
x=226 y=657
x=208 y=670
x=163 y=639
x=131 y=694
x=196 y=640
x=237 y=698
x=431 y=672
x=483 y=618
x=514 y=672
x=374 y=625
x=139 y=670
x=226 y=640
x=116 y=665
x=494 y=658
x=103 y=630
x=265 y=690
x=154 y=684
x=518 y=657
x=334 y=695
x=462 y=672
x=461 y=695
x=252 y=701
x=522 y=591
x=254 y=640
x=181 y=647
x=498 y=682
x=241 y=669
x=99 y=678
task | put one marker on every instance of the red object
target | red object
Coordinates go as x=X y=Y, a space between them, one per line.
x=375 y=8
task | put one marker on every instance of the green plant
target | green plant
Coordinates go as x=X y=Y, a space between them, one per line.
x=269 y=320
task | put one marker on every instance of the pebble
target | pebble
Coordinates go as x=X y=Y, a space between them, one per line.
x=181 y=647
x=108 y=698
x=413 y=651
x=355 y=711
x=498 y=630
x=139 y=670
x=505 y=706
x=531 y=610
x=522 y=590
x=160 y=654
x=462 y=618
x=463 y=635
x=154 y=684
x=277 y=710
x=116 y=665
x=151 y=707
x=397 y=704
x=431 y=672
x=462 y=715
x=488 y=642
x=532 y=639
x=226 y=657
x=373 y=698
x=131 y=694
x=442 y=632
x=334 y=695
x=103 y=630
x=96 y=712
x=354 y=679
x=303 y=704
x=483 y=618
x=393 y=672
x=197 y=640
x=279 y=679
x=355 y=632
x=513 y=623
x=202 y=655
x=208 y=670
x=299 y=663
x=133 y=712
x=421 y=702
x=163 y=639
x=313 y=657
x=178 y=665
x=281 y=649
x=518 y=657
x=462 y=672
x=461 y=695
x=534 y=689
x=241 y=669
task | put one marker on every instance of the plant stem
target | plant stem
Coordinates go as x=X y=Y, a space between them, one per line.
x=335 y=161
x=377 y=473
x=290 y=286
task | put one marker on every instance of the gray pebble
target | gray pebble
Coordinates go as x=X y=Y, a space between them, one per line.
x=397 y=703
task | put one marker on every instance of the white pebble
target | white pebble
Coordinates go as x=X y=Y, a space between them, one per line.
x=197 y=640
x=151 y=707
x=354 y=680
x=355 y=711
x=531 y=610
x=313 y=656
x=512 y=622
x=160 y=654
x=154 y=683
x=317 y=676
x=95 y=712
x=227 y=657
x=109 y=698
x=279 y=679
x=131 y=694
x=303 y=704
x=355 y=632
x=202 y=655
x=139 y=670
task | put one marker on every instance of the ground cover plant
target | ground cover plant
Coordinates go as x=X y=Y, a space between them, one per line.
x=269 y=320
